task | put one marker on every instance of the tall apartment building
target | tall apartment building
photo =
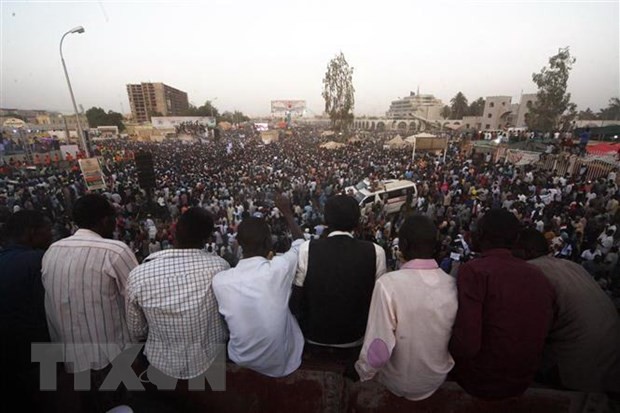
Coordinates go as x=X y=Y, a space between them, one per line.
x=424 y=106
x=149 y=99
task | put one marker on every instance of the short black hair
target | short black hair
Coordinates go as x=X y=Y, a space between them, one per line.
x=531 y=243
x=194 y=227
x=420 y=236
x=498 y=228
x=342 y=213
x=254 y=236
x=19 y=223
x=90 y=209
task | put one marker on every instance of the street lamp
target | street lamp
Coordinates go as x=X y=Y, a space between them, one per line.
x=78 y=29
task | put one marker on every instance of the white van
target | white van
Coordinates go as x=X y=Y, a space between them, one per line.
x=393 y=193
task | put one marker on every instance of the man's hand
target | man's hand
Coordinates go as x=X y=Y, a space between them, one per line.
x=283 y=204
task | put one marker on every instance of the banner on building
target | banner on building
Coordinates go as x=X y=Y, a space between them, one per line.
x=93 y=176
x=519 y=158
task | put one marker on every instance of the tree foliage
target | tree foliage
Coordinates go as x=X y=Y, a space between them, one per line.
x=476 y=107
x=611 y=112
x=587 y=115
x=205 y=110
x=99 y=117
x=459 y=106
x=553 y=108
x=445 y=112
x=233 y=117
x=339 y=93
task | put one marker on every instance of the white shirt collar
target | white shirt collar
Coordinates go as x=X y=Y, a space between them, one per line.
x=335 y=233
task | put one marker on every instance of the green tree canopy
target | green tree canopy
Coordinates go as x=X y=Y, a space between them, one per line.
x=553 y=108
x=458 y=106
x=339 y=93
x=611 y=112
x=445 y=112
x=586 y=114
x=205 y=110
x=98 y=117
x=476 y=108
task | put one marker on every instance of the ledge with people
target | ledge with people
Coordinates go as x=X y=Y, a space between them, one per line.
x=311 y=327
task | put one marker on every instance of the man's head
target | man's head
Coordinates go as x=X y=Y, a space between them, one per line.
x=342 y=213
x=194 y=229
x=498 y=228
x=94 y=212
x=254 y=236
x=29 y=228
x=417 y=237
x=530 y=244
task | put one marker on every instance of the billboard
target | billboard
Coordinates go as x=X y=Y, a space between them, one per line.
x=173 y=122
x=288 y=108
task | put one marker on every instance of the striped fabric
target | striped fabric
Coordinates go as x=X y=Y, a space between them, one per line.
x=171 y=304
x=85 y=277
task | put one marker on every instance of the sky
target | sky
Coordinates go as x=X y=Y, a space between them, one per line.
x=242 y=54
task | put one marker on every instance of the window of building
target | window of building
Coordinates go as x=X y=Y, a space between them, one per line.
x=487 y=126
x=491 y=105
x=489 y=115
x=503 y=103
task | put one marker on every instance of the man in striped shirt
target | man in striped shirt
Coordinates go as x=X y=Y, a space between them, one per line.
x=171 y=304
x=84 y=277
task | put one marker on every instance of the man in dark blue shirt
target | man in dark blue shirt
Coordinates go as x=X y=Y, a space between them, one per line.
x=22 y=312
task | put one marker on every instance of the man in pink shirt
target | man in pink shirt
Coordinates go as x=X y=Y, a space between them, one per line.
x=410 y=320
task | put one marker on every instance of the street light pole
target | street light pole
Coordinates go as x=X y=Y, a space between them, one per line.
x=78 y=29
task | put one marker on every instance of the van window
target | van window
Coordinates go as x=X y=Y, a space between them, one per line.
x=368 y=200
x=397 y=193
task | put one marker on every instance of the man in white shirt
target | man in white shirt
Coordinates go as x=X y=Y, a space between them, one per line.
x=253 y=298
x=408 y=357
x=170 y=302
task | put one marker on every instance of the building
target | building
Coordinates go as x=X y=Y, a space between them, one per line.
x=155 y=99
x=416 y=106
x=526 y=100
x=501 y=113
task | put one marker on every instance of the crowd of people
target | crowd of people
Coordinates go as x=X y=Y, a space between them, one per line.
x=477 y=251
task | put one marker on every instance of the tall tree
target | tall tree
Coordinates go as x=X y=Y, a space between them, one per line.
x=553 y=108
x=98 y=117
x=611 y=112
x=459 y=106
x=476 y=108
x=339 y=93
x=445 y=112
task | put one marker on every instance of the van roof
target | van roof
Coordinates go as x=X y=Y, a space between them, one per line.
x=389 y=184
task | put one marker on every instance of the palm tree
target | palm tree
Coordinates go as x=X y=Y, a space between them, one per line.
x=459 y=106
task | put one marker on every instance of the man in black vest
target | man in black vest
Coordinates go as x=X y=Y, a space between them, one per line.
x=335 y=279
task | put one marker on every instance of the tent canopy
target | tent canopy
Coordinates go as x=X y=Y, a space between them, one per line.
x=332 y=145
x=396 y=142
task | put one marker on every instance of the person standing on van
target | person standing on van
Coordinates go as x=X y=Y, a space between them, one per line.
x=335 y=280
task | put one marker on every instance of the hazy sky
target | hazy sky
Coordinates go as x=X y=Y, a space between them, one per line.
x=248 y=52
